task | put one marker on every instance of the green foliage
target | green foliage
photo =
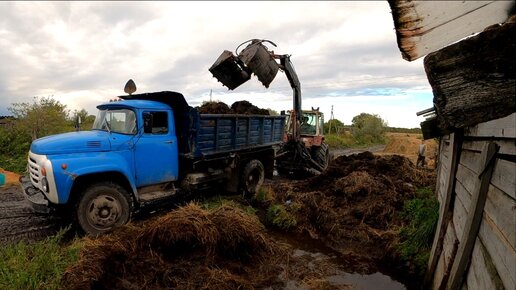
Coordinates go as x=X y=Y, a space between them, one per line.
x=86 y=120
x=334 y=125
x=42 y=117
x=336 y=141
x=368 y=129
x=403 y=130
x=218 y=201
x=13 y=149
x=37 y=265
x=422 y=214
x=280 y=217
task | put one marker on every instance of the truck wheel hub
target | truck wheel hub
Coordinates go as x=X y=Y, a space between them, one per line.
x=104 y=211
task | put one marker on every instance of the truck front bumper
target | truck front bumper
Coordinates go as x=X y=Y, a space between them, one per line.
x=36 y=198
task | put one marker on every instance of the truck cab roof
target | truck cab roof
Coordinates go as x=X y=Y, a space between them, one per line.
x=139 y=104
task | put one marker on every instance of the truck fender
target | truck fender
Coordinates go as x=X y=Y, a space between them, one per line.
x=78 y=168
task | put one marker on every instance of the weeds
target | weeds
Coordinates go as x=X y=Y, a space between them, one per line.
x=37 y=265
x=280 y=217
x=219 y=201
x=422 y=213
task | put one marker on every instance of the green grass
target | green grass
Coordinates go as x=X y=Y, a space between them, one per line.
x=422 y=214
x=280 y=217
x=38 y=265
x=218 y=200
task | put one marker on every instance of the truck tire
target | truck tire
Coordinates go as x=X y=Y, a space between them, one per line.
x=252 y=177
x=103 y=207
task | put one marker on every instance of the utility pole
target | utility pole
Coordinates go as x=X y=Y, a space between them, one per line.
x=331 y=121
x=210 y=94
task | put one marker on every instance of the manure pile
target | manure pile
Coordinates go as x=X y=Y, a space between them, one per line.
x=189 y=248
x=239 y=107
x=356 y=203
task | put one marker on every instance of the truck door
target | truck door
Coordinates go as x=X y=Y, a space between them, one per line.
x=156 y=150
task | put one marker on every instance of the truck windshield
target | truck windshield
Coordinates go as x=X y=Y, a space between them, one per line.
x=121 y=121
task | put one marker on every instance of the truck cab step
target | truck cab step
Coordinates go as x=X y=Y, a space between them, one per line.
x=157 y=195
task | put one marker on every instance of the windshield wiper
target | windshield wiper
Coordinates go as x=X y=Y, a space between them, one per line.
x=108 y=127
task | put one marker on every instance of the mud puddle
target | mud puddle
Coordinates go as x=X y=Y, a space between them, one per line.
x=317 y=266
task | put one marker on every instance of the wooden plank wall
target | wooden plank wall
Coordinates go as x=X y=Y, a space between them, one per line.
x=493 y=258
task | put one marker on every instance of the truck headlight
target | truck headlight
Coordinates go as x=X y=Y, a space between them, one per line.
x=44 y=184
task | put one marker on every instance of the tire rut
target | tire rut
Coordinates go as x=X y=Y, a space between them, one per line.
x=18 y=222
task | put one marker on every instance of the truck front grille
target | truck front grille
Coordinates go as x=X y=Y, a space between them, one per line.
x=33 y=169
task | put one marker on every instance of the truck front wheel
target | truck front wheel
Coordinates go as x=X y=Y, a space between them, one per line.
x=252 y=177
x=102 y=207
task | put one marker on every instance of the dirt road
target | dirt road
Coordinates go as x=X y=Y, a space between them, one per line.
x=349 y=151
x=19 y=222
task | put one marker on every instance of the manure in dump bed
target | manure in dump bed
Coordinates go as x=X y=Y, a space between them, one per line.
x=358 y=199
x=239 y=107
x=214 y=108
x=189 y=248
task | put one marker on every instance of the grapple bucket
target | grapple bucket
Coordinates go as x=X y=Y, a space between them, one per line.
x=229 y=70
x=260 y=61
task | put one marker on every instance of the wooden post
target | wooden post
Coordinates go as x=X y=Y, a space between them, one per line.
x=446 y=209
x=474 y=218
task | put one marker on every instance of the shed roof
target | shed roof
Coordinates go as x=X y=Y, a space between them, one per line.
x=423 y=27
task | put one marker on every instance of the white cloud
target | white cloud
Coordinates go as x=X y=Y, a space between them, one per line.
x=82 y=53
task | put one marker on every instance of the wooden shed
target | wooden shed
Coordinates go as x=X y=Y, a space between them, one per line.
x=474 y=86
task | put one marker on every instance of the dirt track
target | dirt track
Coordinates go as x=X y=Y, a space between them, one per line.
x=19 y=222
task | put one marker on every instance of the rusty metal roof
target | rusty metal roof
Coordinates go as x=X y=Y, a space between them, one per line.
x=426 y=26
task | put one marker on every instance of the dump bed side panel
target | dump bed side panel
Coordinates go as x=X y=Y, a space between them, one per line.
x=218 y=133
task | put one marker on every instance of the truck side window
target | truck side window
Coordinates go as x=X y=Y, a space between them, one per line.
x=159 y=123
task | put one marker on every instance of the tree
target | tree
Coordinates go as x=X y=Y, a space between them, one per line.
x=86 y=120
x=44 y=116
x=272 y=112
x=334 y=124
x=368 y=128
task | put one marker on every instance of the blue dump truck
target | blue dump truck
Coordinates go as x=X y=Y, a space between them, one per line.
x=146 y=149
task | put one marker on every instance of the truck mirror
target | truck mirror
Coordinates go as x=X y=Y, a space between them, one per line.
x=229 y=70
x=147 y=122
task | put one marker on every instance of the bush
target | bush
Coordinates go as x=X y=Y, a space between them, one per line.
x=368 y=129
x=422 y=214
x=339 y=141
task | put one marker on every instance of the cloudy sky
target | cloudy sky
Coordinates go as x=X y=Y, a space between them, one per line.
x=82 y=54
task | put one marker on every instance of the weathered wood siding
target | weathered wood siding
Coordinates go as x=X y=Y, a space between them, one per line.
x=426 y=26
x=492 y=259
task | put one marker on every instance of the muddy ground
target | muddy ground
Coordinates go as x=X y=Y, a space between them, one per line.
x=347 y=222
x=19 y=222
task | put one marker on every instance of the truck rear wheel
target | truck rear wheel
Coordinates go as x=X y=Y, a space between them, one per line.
x=252 y=177
x=102 y=207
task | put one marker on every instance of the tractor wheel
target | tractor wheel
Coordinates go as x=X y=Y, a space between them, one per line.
x=252 y=177
x=103 y=207
x=323 y=156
